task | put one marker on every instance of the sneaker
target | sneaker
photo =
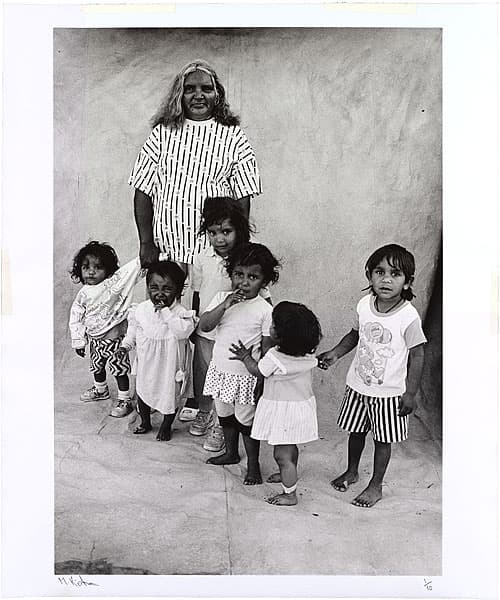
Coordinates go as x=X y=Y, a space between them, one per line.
x=202 y=423
x=92 y=395
x=188 y=414
x=215 y=440
x=121 y=409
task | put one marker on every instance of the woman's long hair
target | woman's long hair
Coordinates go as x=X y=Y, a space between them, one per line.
x=171 y=112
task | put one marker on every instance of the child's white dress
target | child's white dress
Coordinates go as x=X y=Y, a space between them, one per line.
x=286 y=412
x=163 y=353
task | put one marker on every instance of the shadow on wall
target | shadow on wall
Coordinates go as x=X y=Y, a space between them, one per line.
x=431 y=389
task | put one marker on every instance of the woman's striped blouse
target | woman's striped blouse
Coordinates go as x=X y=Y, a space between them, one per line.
x=179 y=168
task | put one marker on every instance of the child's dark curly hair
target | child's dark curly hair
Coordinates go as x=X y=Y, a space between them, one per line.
x=168 y=268
x=101 y=250
x=246 y=255
x=297 y=329
x=218 y=209
x=398 y=258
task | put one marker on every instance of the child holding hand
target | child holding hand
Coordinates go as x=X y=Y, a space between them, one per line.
x=384 y=376
x=159 y=330
x=286 y=412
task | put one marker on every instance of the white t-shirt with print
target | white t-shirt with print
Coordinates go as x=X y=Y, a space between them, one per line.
x=248 y=321
x=380 y=365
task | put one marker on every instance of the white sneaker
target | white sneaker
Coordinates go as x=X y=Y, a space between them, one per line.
x=188 y=414
x=215 y=440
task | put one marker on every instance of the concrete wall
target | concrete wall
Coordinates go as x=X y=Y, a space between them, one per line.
x=346 y=125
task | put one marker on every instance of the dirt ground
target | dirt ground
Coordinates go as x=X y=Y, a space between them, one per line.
x=130 y=504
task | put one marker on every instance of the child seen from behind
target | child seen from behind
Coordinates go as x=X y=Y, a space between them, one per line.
x=384 y=376
x=286 y=412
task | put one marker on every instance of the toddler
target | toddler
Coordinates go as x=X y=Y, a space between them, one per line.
x=239 y=315
x=98 y=317
x=286 y=413
x=159 y=330
x=225 y=225
x=384 y=376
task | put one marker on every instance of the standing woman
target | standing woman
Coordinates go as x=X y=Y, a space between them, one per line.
x=195 y=150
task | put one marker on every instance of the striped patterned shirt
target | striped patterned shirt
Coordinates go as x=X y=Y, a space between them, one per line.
x=179 y=168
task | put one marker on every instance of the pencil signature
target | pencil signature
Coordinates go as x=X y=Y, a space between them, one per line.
x=77 y=581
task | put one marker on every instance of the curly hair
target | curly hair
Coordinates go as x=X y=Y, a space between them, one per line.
x=171 y=112
x=220 y=208
x=101 y=250
x=398 y=258
x=249 y=254
x=297 y=328
x=168 y=268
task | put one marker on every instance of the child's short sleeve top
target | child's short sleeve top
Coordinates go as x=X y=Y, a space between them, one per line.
x=288 y=378
x=380 y=364
x=247 y=321
x=180 y=168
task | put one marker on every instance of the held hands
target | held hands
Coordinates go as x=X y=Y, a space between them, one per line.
x=80 y=352
x=326 y=360
x=240 y=351
x=235 y=298
x=121 y=351
x=407 y=404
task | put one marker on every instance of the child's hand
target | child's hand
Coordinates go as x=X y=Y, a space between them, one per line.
x=235 y=298
x=240 y=351
x=121 y=351
x=80 y=352
x=406 y=404
x=326 y=360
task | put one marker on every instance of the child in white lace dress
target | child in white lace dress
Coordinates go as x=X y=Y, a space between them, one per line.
x=159 y=329
x=286 y=412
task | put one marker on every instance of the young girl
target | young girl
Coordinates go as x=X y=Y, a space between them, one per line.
x=381 y=387
x=159 y=329
x=239 y=315
x=286 y=413
x=226 y=226
x=99 y=316
x=195 y=150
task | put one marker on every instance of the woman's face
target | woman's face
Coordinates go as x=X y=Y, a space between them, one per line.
x=198 y=98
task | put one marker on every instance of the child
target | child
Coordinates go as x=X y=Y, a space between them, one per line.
x=239 y=315
x=286 y=413
x=380 y=391
x=159 y=329
x=196 y=149
x=99 y=316
x=226 y=226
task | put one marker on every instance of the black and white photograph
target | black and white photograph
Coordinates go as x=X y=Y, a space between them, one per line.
x=246 y=358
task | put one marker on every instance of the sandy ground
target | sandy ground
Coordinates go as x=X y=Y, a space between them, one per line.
x=130 y=504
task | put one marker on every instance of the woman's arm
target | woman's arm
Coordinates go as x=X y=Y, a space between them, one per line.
x=346 y=344
x=143 y=213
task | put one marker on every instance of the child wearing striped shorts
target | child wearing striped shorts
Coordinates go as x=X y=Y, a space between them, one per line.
x=384 y=376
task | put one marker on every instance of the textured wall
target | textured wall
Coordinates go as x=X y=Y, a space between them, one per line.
x=346 y=125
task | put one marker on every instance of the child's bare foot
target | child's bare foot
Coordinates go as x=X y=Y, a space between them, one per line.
x=142 y=429
x=283 y=499
x=224 y=459
x=274 y=478
x=164 y=434
x=368 y=497
x=342 y=483
x=253 y=477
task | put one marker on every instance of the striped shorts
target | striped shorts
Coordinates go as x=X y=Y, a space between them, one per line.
x=103 y=352
x=359 y=414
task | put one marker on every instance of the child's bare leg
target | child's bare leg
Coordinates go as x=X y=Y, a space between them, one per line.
x=286 y=456
x=122 y=383
x=355 y=448
x=231 y=438
x=145 y=413
x=252 y=448
x=100 y=376
x=165 y=432
x=373 y=491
